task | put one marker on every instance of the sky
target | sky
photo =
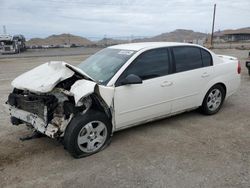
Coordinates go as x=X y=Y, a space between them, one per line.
x=119 y=18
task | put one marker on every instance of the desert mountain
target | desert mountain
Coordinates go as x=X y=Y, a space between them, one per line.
x=60 y=40
x=178 y=35
x=110 y=41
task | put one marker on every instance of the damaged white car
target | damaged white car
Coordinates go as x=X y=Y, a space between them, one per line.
x=119 y=87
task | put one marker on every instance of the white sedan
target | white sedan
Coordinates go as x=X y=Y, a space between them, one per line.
x=119 y=87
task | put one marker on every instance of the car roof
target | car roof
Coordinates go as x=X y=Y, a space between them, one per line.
x=142 y=45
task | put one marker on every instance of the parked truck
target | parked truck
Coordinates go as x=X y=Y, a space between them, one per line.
x=12 y=44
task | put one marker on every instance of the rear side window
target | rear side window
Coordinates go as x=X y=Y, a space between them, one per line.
x=206 y=58
x=150 y=64
x=187 y=58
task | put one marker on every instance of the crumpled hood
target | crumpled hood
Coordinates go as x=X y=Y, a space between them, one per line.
x=43 y=78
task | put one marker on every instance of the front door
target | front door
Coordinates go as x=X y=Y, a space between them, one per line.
x=135 y=103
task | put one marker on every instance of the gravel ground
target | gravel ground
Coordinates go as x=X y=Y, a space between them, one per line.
x=187 y=150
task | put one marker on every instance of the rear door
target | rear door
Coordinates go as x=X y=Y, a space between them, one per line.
x=193 y=70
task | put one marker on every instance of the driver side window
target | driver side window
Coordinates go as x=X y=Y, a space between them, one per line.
x=150 y=64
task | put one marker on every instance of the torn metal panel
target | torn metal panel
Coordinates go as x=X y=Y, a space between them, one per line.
x=82 y=88
x=43 y=78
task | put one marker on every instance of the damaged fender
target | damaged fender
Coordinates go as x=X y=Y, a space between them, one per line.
x=81 y=89
x=107 y=94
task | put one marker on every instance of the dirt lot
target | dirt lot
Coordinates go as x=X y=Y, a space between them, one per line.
x=188 y=150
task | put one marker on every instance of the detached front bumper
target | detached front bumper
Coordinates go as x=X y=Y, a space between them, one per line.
x=32 y=119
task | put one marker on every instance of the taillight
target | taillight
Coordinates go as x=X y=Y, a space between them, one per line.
x=239 y=68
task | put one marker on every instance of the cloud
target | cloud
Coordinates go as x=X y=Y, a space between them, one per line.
x=40 y=18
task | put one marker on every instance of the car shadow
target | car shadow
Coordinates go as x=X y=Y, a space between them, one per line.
x=168 y=122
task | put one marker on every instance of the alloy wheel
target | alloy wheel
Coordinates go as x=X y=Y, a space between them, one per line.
x=92 y=136
x=214 y=99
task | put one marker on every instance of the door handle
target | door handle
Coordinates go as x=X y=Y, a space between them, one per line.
x=204 y=75
x=166 y=83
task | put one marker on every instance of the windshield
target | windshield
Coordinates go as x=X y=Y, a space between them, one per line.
x=103 y=65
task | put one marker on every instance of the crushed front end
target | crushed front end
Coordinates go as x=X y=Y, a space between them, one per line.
x=46 y=113
x=56 y=94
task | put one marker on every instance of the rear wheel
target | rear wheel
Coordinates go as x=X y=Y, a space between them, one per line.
x=213 y=100
x=87 y=134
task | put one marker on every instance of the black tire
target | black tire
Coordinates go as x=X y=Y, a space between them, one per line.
x=205 y=108
x=77 y=125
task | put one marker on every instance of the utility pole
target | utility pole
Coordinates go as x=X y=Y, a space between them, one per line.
x=105 y=40
x=69 y=38
x=212 y=35
x=4 y=30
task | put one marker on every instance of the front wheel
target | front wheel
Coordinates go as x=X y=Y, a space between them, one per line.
x=213 y=100
x=87 y=134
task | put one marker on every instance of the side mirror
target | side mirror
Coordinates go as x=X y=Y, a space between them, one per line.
x=131 y=79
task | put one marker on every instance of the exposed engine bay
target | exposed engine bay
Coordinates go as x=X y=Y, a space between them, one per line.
x=50 y=112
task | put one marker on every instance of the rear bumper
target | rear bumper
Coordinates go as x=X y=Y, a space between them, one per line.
x=8 y=52
x=32 y=119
